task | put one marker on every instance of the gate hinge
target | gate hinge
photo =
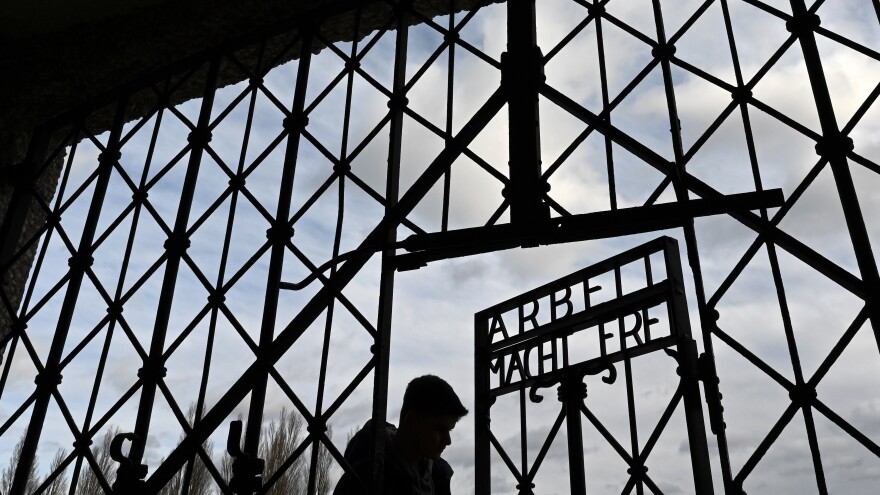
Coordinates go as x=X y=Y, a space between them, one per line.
x=709 y=377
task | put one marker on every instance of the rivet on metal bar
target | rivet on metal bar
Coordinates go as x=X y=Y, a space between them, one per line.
x=82 y=444
x=295 y=123
x=834 y=145
x=80 y=261
x=53 y=218
x=571 y=391
x=18 y=326
x=152 y=372
x=177 y=244
x=342 y=168
x=237 y=183
x=596 y=9
x=279 y=233
x=48 y=379
x=525 y=487
x=115 y=309
x=109 y=157
x=663 y=52
x=801 y=24
x=352 y=65
x=216 y=299
x=803 y=394
x=397 y=101
x=199 y=137
x=637 y=471
x=317 y=425
x=741 y=94
x=522 y=71
x=139 y=197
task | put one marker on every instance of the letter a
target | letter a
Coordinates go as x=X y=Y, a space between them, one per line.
x=497 y=326
x=515 y=365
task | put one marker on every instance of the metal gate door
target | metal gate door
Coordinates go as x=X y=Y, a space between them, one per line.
x=565 y=331
x=182 y=210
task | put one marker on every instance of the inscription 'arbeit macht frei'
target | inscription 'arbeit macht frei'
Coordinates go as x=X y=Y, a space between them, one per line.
x=585 y=320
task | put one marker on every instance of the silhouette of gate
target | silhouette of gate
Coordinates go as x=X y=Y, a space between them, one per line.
x=162 y=228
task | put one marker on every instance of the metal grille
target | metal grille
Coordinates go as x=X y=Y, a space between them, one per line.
x=423 y=142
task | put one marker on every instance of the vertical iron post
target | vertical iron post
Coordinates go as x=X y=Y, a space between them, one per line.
x=153 y=369
x=572 y=393
x=247 y=477
x=689 y=371
x=49 y=377
x=482 y=403
x=522 y=74
x=664 y=52
x=382 y=344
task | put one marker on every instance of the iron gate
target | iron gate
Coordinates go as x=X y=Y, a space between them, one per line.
x=127 y=193
x=542 y=349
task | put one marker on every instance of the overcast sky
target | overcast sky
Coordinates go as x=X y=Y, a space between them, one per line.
x=434 y=306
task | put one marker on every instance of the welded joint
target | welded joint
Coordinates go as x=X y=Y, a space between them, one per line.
x=152 y=372
x=568 y=392
x=663 y=52
x=199 y=137
x=279 y=233
x=81 y=261
x=803 y=394
x=176 y=244
x=295 y=123
x=834 y=146
x=48 y=379
x=804 y=23
x=741 y=94
x=523 y=72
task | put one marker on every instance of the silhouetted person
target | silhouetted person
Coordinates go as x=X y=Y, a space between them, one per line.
x=413 y=465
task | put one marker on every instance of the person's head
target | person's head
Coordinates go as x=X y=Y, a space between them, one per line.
x=429 y=412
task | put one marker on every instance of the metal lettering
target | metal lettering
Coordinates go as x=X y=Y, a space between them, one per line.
x=603 y=349
x=497 y=327
x=555 y=303
x=589 y=290
x=515 y=365
x=531 y=317
x=634 y=332
x=546 y=357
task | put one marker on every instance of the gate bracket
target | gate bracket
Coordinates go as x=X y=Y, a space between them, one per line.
x=247 y=469
x=709 y=377
x=130 y=475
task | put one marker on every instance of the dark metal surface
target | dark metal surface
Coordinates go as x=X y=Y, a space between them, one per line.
x=395 y=241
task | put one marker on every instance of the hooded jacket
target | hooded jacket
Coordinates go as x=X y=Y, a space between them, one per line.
x=396 y=480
